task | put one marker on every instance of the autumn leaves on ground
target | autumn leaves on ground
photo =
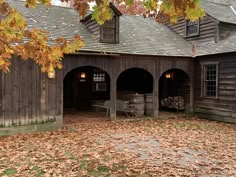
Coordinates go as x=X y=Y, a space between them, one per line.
x=98 y=147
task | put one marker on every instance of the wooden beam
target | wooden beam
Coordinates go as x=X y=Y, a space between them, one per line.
x=191 y=96
x=1 y=98
x=113 y=98
x=155 y=96
x=96 y=53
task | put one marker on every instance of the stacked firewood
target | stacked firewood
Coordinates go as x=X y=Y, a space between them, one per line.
x=176 y=102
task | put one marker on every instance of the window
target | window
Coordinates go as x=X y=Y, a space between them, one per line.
x=100 y=87
x=99 y=80
x=99 y=75
x=109 y=31
x=192 y=28
x=210 y=80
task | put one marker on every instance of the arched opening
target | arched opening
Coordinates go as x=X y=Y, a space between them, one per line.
x=135 y=80
x=84 y=87
x=133 y=85
x=174 y=90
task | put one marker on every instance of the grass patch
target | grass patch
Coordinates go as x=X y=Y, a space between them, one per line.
x=119 y=168
x=83 y=165
x=70 y=155
x=8 y=172
x=97 y=172
x=37 y=171
x=101 y=171
x=106 y=158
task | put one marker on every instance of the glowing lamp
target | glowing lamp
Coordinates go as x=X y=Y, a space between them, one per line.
x=168 y=76
x=51 y=73
x=83 y=75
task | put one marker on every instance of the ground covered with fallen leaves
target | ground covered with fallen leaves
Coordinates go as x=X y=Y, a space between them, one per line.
x=91 y=145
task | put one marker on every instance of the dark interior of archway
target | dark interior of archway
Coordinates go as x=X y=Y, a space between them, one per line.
x=177 y=85
x=135 y=80
x=81 y=93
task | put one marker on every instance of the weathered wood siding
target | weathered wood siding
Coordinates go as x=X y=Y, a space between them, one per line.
x=1 y=98
x=225 y=30
x=207 y=30
x=27 y=96
x=92 y=26
x=115 y=65
x=109 y=31
x=222 y=108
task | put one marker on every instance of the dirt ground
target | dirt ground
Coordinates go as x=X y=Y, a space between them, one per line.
x=89 y=144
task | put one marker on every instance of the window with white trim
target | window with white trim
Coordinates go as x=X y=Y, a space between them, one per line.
x=210 y=80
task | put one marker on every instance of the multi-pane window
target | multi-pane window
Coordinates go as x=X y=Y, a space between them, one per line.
x=192 y=28
x=99 y=80
x=209 y=80
x=109 y=31
x=99 y=76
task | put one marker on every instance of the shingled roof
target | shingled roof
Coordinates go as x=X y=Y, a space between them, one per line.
x=224 y=46
x=137 y=35
x=221 y=10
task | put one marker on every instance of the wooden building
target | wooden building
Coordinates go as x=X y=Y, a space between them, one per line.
x=213 y=38
x=128 y=54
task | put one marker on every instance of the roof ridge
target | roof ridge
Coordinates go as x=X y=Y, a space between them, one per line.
x=233 y=9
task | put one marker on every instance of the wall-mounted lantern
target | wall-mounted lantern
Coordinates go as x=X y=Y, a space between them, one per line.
x=168 y=75
x=51 y=73
x=83 y=75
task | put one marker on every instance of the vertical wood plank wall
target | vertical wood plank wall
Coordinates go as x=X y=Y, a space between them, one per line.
x=1 y=98
x=27 y=96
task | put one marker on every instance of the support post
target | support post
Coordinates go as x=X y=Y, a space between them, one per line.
x=191 y=94
x=113 y=98
x=155 y=98
x=2 y=98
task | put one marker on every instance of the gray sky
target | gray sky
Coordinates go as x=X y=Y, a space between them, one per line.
x=56 y=2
